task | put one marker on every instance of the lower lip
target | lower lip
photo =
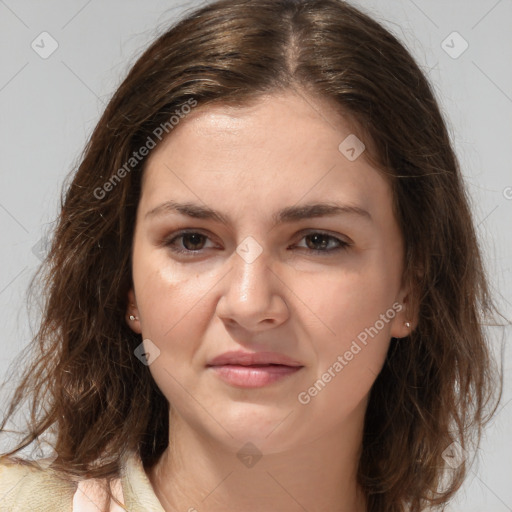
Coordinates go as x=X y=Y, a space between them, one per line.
x=253 y=376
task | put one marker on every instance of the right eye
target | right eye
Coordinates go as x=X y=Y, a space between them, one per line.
x=190 y=242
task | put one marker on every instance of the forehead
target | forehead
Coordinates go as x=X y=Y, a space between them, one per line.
x=277 y=150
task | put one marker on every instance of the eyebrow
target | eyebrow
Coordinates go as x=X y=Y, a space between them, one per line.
x=288 y=214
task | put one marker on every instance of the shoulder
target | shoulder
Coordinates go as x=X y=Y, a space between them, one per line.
x=29 y=486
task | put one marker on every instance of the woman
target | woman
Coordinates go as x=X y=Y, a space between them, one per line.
x=264 y=291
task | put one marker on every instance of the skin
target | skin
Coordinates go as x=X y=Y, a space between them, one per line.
x=248 y=163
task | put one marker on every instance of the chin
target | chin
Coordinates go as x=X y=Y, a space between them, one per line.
x=269 y=428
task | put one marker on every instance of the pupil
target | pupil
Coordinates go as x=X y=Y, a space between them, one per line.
x=196 y=239
x=315 y=241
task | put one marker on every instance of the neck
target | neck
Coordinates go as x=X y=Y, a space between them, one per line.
x=320 y=476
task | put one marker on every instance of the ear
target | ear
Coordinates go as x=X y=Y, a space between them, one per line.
x=132 y=313
x=406 y=313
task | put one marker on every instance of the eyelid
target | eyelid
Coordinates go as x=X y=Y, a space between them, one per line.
x=338 y=236
x=342 y=245
x=168 y=240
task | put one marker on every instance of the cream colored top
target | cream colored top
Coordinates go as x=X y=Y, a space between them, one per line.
x=27 y=489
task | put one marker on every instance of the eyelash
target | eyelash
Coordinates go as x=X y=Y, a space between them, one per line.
x=342 y=245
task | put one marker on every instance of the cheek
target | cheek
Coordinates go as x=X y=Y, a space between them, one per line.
x=352 y=333
x=167 y=296
x=173 y=317
x=350 y=344
x=168 y=305
x=171 y=308
x=345 y=302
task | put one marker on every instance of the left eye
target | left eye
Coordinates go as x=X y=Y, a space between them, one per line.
x=192 y=242
x=319 y=242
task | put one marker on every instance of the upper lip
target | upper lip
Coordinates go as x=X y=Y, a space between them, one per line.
x=249 y=358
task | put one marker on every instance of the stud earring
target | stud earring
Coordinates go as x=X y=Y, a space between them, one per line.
x=407 y=324
x=132 y=318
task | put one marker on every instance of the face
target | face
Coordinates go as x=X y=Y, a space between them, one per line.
x=266 y=272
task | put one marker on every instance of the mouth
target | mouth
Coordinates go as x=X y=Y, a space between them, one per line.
x=244 y=369
x=253 y=375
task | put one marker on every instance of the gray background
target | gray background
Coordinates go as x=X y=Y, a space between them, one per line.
x=49 y=107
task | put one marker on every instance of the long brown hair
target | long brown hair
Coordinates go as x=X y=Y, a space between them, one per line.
x=436 y=385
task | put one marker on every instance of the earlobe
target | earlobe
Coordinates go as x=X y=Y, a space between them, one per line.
x=406 y=319
x=401 y=326
x=132 y=314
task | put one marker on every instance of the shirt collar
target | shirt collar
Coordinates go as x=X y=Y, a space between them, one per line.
x=138 y=492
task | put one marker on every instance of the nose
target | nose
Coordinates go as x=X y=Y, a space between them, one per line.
x=253 y=295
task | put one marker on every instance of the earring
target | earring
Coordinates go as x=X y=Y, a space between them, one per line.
x=132 y=318
x=407 y=324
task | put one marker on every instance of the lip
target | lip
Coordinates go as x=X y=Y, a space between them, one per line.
x=253 y=369
x=239 y=357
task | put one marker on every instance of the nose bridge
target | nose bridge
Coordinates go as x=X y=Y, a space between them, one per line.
x=250 y=281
